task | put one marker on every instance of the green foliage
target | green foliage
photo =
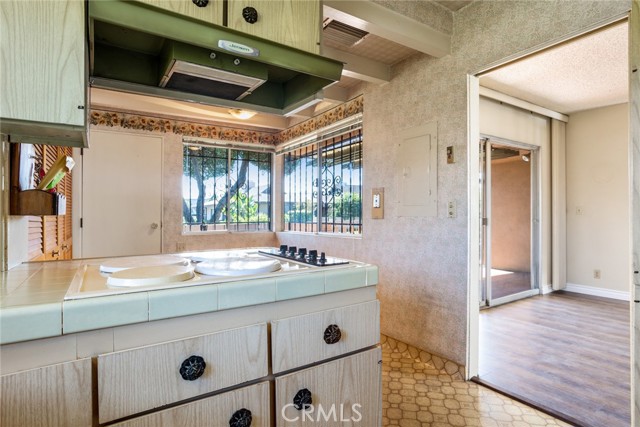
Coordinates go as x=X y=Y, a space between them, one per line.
x=349 y=205
x=243 y=208
x=298 y=216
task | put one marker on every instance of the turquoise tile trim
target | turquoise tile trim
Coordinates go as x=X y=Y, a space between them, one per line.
x=299 y=285
x=102 y=312
x=30 y=322
x=31 y=298
x=343 y=279
x=372 y=275
x=167 y=303
x=241 y=294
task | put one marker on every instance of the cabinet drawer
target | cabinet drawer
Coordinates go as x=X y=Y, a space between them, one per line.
x=345 y=391
x=140 y=379
x=56 y=395
x=213 y=411
x=300 y=340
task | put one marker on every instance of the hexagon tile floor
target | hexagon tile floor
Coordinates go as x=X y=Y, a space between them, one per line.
x=421 y=390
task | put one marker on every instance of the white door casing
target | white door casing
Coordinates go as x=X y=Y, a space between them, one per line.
x=121 y=195
x=634 y=155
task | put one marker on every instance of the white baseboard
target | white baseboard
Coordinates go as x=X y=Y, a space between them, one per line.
x=546 y=289
x=599 y=292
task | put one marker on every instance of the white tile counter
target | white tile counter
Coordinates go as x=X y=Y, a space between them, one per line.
x=32 y=304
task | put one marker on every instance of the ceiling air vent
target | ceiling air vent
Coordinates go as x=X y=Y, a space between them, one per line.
x=341 y=33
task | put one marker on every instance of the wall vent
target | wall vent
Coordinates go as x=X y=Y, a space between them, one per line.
x=341 y=33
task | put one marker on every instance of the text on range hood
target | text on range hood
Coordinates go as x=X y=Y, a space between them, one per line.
x=141 y=49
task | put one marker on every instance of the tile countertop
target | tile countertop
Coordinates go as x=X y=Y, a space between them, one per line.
x=32 y=304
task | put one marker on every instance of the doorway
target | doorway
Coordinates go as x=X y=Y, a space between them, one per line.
x=509 y=237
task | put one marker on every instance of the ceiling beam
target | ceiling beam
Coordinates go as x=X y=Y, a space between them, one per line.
x=359 y=67
x=385 y=23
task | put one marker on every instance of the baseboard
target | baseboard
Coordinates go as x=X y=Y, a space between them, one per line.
x=598 y=292
x=546 y=289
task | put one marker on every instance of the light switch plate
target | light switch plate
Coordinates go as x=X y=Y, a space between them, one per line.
x=377 y=205
x=450 y=155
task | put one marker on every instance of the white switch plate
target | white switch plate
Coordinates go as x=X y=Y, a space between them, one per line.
x=376 y=200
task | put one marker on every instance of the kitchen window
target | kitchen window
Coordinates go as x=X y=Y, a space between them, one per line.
x=225 y=189
x=323 y=184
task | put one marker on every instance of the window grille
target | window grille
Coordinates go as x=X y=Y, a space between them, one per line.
x=323 y=186
x=225 y=189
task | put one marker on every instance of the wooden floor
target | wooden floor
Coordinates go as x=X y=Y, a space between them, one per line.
x=565 y=352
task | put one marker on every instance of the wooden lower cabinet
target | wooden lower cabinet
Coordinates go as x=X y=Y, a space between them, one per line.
x=300 y=340
x=144 y=378
x=226 y=409
x=51 y=396
x=344 y=392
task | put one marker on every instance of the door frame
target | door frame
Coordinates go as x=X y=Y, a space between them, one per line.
x=535 y=215
x=473 y=202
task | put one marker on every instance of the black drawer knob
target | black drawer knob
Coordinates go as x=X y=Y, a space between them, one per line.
x=240 y=418
x=332 y=334
x=302 y=399
x=200 y=3
x=250 y=15
x=192 y=368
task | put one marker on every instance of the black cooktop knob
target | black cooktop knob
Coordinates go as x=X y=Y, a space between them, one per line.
x=323 y=258
x=292 y=251
x=283 y=249
x=302 y=252
x=313 y=256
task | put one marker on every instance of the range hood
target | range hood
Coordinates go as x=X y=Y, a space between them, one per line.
x=141 y=49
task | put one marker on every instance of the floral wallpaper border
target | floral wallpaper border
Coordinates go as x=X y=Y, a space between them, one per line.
x=224 y=133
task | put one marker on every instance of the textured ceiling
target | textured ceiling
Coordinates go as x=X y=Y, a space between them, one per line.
x=586 y=73
x=375 y=48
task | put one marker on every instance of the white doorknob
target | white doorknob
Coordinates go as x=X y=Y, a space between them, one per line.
x=154 y=225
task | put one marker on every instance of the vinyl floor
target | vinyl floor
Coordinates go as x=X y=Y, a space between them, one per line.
x=565 y=352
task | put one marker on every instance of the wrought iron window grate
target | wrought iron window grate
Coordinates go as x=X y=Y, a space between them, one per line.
x=225 y=189
x=323 y=186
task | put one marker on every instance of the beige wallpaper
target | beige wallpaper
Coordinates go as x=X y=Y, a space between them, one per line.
x=423 y=262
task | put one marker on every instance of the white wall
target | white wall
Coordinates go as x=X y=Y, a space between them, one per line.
x=598 y=184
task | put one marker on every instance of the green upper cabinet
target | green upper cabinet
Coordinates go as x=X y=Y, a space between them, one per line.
x=43 y=77
x=210 y=11
x=294 y=23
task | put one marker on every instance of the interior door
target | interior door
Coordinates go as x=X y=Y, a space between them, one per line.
x=509 y=244
x=121 y=195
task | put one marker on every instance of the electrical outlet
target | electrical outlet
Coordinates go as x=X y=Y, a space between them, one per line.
x=181 y=246
x=596 y=274
x=451 y=209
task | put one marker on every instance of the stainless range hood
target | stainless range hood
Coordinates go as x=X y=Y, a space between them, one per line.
x=140 y=49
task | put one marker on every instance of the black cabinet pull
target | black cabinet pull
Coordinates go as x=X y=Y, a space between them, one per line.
x=240 y=418
x=302 y=399
x=192 y=368
x=200 y=3
x=332 y=334
x=250 y=15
